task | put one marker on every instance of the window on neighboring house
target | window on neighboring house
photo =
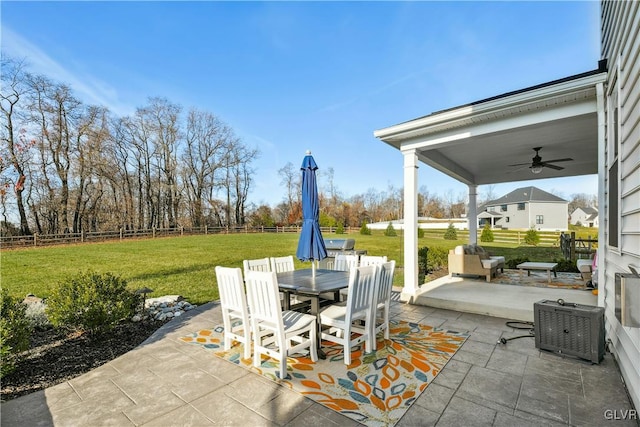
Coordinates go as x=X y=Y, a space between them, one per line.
x=612 y=178
x=503 y=208
x=520 y=206
x=506 y=219
x=492 y=208
x=539 y=219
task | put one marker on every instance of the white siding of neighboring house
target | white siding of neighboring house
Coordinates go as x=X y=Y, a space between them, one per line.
x=583 y=218
x=517 y=219
x=554 y=215
x=621 y=47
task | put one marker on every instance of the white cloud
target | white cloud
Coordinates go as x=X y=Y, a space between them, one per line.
x=87 y=87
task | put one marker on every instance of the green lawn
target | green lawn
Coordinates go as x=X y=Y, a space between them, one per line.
x=185 y=265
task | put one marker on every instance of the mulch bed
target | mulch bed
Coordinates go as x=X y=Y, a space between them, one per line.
x=55 y=357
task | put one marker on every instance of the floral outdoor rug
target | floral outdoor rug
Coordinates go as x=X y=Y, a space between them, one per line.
x=376 y=389
x=538 y=278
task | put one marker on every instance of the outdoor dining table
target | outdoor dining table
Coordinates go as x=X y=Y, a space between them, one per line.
x=311 y=285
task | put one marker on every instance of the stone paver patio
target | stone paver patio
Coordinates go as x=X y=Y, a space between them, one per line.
x=165 y=382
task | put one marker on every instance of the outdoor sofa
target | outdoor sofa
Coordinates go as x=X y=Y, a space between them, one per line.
x=474 y=260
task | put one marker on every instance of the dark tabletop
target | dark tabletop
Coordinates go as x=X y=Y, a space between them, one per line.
x=303 y=282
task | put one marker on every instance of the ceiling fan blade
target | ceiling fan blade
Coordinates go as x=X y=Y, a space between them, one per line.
x=567 y=159
x=521 y=164
x=547 y=165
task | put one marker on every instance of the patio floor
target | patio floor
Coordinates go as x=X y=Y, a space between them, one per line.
x=165 y=382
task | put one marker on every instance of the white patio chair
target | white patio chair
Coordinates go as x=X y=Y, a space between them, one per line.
x=262 y=264
x=372 y=260
x=281 y=264
x=340 y=318
x=382 y=302
x=345 y=262
x=286 y=327
x=233 y=302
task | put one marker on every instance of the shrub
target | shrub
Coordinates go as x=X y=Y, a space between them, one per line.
x=420 y=233
x=390 y=231
x=566 y=265
x=513 y=263
x=532 y=237
x=91 y=302
x=423 y=264
x=340 y=228
x=364 y=230
x=451 y=233
x=438 y=257
x=14 y=331
x=487 y=233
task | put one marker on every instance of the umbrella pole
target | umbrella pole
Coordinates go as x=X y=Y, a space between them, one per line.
x=313 y=268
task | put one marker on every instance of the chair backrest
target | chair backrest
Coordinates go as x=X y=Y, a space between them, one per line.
x=282 y=264
x=385 y=282
x=372 y=260
x=344 y=262
x=261 y=264
x=264 y=298
x=231 y=289
x=363 y=287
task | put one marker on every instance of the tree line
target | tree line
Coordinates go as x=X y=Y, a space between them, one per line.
x=66 y=166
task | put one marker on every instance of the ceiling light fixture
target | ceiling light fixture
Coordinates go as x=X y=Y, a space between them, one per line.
x=536 y=169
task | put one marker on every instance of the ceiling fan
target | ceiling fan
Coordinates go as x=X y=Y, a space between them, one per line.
x=537 y=164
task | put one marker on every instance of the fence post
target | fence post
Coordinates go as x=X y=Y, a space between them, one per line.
x=153 y=232
x=82 y=236
x=35 y=239
x=181 y=230
x=120 y=233
x=573 y=245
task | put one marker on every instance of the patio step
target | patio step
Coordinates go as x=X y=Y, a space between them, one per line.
x=491 y=299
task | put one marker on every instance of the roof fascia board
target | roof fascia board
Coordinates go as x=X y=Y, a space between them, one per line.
x=451 y=137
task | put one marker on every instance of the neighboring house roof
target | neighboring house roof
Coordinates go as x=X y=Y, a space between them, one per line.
x=487 y=214
x=592 y=217
x=588 y=211
x=526 y=194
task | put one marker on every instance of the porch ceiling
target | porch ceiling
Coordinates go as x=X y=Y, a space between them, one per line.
x=476 y=143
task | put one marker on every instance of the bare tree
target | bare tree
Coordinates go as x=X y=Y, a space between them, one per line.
x=15 y=145
x=291 y=177
x=208 y=141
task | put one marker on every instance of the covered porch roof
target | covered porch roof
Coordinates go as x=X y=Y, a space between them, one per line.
x=476 y=143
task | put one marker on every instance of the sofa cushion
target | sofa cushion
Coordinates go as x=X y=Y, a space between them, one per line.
x=584 y=265
x=489 y=263
x=500 y=259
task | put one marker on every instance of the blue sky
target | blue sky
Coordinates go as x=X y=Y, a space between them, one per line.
x=292 y=76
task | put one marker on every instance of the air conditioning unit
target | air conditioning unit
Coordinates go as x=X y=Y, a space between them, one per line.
x=569 y=328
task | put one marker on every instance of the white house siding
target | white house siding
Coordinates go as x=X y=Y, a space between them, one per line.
x=580 y=216
x=555 y=216
x=621 y=47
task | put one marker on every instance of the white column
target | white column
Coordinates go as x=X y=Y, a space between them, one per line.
x=472 y=214
x=410 y=222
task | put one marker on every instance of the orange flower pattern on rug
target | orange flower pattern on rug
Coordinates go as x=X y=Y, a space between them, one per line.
x=376 y=389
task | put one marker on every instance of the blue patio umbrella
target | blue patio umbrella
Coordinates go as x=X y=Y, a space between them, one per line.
x=311 y=244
